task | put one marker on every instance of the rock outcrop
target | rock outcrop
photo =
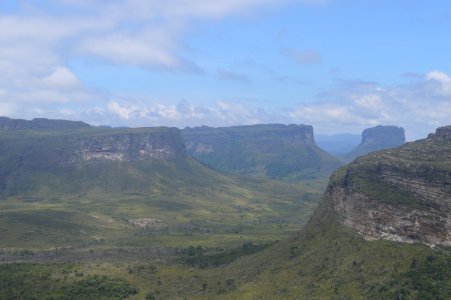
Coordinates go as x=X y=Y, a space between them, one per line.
x=272 y=150
x=129 y=145
x=402 y=194
x=443 y=132
x=28 y=155
x=377 y=138
x=48 y=149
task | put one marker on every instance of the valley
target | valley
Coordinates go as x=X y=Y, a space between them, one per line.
x=104 y=213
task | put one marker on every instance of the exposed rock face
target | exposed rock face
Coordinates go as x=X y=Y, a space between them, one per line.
x=130 y=146
x=403 y=194
x=377 y=138
x=272 y=150
x=443 y=132
x=383 y=136
x=40 y=123
x=50 y=149
x=205 y=139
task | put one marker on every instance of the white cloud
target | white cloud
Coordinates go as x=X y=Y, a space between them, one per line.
x=7 y=109
x=122 y=111
x=353 y=106
x=61 y=77
x=442 y=80
x=36 y=43
x=146 y=113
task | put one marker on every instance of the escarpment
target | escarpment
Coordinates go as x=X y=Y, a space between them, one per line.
x=402 y=194
x=129 y=145
x=271 y=150
x=24 y=152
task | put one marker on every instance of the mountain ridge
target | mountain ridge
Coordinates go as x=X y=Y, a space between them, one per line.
x=273 y=150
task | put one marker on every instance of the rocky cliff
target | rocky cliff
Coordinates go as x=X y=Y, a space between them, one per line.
x=273 y=150
x=48 y=149
x=30 y=159
x=129 y=145
x=402 y=194
x=376 y=138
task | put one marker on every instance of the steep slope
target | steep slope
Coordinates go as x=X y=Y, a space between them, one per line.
x=101 y=186
x=376 y=138
x=380 y=232
x=276 y=151
x=403 y=194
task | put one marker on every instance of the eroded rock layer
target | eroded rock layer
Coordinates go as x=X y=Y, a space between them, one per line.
x=402 y=194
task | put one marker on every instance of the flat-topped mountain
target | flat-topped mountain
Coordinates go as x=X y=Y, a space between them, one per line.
x=77 y=186
x=377 y=138
x=402 y=194
x=39 y=123
x=26 y=154
x=272 y=150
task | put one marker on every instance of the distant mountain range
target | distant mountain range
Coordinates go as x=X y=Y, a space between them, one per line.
x=337 y=144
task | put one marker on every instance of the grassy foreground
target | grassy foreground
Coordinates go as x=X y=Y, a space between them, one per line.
x=323 y=261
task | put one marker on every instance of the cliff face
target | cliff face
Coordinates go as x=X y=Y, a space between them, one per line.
x=130 y=145
x=28 y=157
x=207 y=139
x=383 y=136
x=273 y=150
x=377 y=138
x=403 y=194
x=36 y=150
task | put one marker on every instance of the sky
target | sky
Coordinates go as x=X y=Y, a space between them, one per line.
x=339 y=65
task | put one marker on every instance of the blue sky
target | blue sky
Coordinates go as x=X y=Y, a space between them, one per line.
x=339 y=65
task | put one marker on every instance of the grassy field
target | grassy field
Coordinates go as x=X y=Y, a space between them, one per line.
x=136 y=205
x=323 y=261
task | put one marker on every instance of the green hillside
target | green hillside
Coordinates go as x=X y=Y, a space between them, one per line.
x=50 y=197
x=266 y=150
x=176 y=229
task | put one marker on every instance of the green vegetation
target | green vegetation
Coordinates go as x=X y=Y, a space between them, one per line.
x=174 y=229
x=329 y=261
x=48 y=201
x=34 y=281
x=324 y=261
x=202 y=257
x=274 y=151
x=424 y=162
